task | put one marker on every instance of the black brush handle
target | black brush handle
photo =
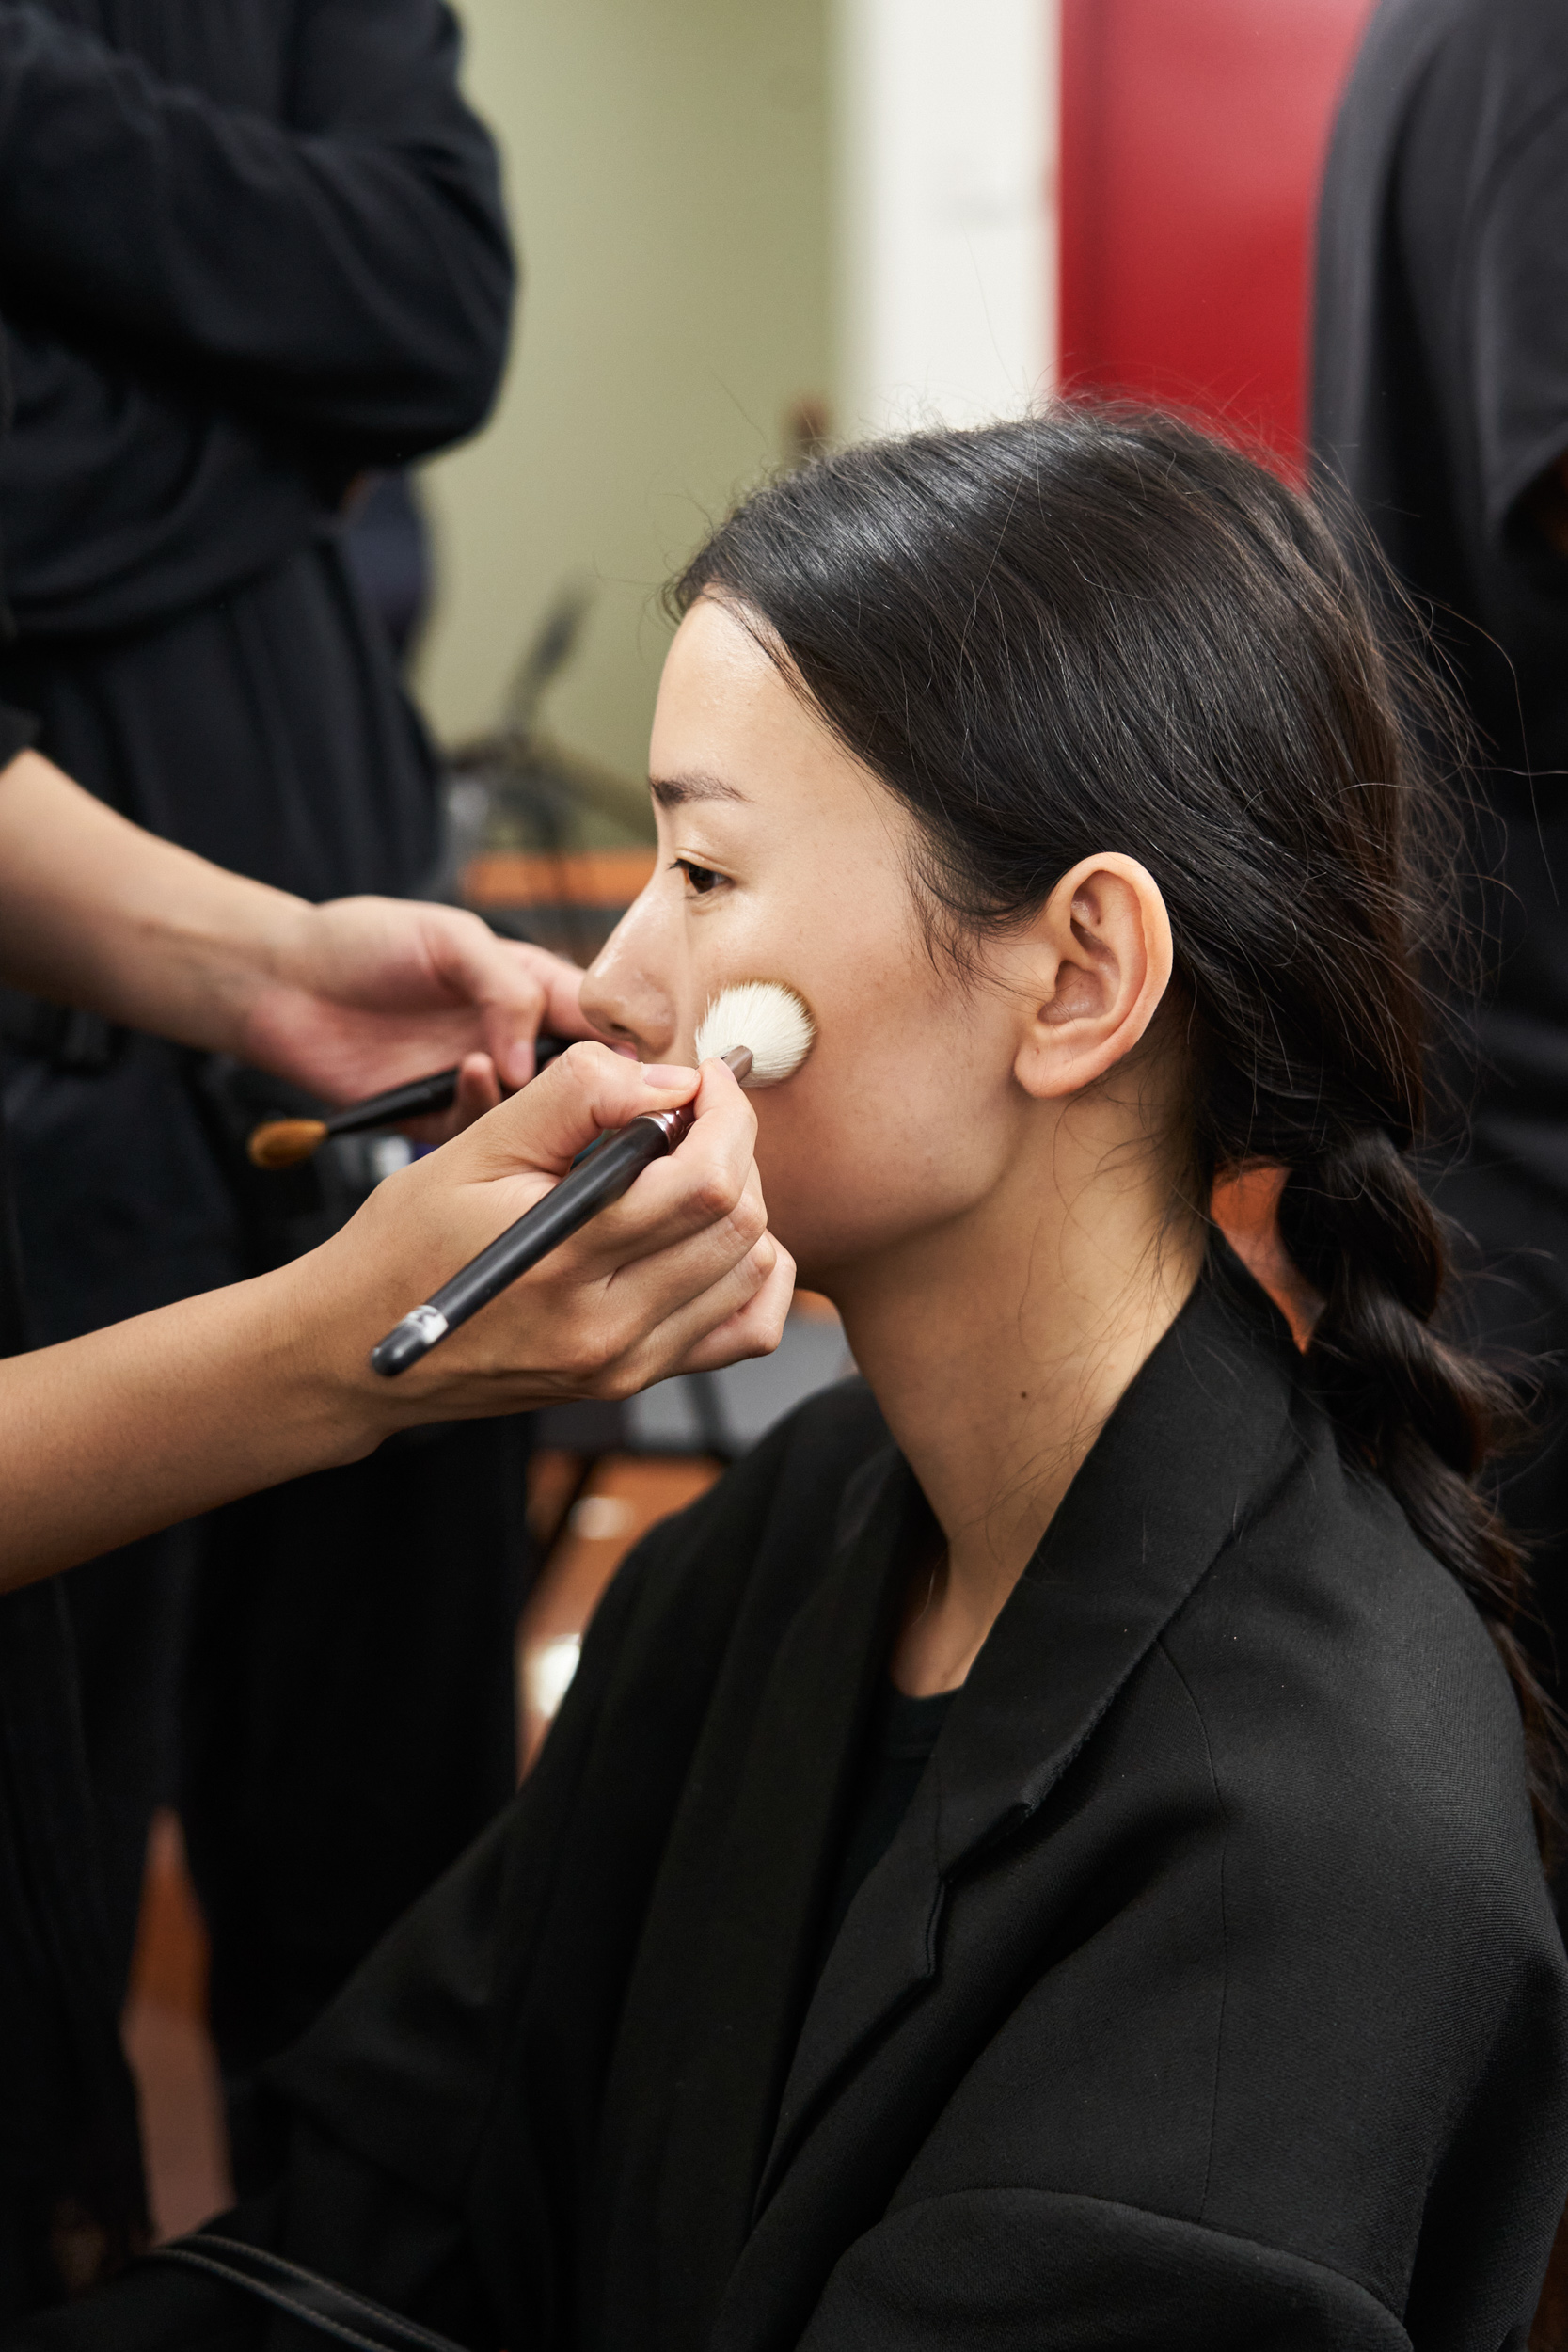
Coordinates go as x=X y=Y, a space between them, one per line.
x=610 y=1170
x=421 y=1096
x=390 y=1110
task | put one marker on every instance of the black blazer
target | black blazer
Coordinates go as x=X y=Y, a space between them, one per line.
x=1208 y=1996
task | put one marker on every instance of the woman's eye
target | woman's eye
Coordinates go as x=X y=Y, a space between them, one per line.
x=699 y=879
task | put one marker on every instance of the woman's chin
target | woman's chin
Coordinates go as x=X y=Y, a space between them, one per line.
x=818 y=1254
x=828 y=1256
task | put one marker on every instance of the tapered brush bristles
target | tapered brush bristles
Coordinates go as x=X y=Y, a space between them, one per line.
x=284 y=1143
x=768 y=1017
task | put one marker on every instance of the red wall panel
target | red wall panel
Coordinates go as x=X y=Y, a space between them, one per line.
x=1192 y=139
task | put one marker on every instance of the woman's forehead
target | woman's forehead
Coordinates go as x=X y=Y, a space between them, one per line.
x=731 y=727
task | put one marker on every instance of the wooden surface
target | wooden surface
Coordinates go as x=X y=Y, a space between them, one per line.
x=167 y=2042
x=527 y=877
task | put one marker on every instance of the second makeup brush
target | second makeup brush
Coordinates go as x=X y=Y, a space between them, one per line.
x=284 y=1143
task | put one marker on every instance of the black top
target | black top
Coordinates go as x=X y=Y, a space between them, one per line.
x=1208 y=1995
x=899 y=1742
x=1440 y=396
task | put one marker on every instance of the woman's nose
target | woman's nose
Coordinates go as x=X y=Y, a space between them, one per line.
x=623 y=995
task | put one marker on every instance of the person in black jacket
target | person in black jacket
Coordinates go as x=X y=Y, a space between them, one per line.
x=245 y=255
x=1440 y=402
x=1042 y=1854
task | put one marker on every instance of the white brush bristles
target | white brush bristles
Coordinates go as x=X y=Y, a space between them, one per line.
x=768 y=1017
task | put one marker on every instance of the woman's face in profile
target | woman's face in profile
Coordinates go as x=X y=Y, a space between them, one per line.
x=782 y=858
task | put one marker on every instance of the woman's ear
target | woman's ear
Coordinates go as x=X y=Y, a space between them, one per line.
x=1095 y=963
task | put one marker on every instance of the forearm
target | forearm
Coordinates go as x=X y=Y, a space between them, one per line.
x=95 y=912
x=341 y=1000
x=129 y=1429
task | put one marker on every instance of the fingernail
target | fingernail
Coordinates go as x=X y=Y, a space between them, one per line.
x=660 y=1074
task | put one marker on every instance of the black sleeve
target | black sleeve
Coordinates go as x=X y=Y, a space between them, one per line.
x=1517 y=329
x=988 y=2268
x=170 y=2306
x=415 y=2047
x=183 y=500
x=976 y=2268
x=159 y=2308
x=347 y=271
x=18 y=729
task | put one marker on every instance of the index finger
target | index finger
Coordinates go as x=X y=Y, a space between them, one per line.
x=528 y=990
x=544 y=1126
x=701 y=1184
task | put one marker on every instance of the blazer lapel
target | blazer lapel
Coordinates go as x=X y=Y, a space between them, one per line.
x=724 y=1965
x=1193 y=1448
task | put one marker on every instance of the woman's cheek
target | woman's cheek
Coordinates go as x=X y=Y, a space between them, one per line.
x=860 y=1176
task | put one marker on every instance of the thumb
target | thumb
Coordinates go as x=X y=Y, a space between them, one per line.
x=588 y=1088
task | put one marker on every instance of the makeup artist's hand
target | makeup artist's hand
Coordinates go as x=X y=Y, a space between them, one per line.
x=346 y=999
x=679 y=1275
x=362 y=994
x=155 y=1419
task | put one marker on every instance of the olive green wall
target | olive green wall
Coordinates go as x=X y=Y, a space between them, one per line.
x=667 y=166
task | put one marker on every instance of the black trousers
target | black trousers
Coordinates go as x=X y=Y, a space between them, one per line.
x=321 y=1677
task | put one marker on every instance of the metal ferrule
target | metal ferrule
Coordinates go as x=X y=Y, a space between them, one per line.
x=674 y=1126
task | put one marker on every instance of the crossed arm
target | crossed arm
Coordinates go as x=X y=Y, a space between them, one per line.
x=338 y=265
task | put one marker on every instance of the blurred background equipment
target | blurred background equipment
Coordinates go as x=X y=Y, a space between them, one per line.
x=549 y=845
x=884 y=210
x=668 y=166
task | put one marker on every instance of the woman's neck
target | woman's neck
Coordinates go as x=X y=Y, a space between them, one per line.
x=997 y=1348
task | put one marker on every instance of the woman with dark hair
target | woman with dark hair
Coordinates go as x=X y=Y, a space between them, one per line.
x=1041 y=1855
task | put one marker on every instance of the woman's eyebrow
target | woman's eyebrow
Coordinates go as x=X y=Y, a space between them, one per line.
x=674 y=791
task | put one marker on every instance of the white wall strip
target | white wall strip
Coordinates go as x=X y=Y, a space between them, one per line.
x=947 y=207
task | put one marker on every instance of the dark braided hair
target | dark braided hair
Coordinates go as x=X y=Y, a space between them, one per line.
x=1097 y=629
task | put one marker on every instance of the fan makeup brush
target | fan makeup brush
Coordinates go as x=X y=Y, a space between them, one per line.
x=760 y=1030
x=284 y=1143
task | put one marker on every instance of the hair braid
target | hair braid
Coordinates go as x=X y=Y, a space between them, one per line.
x=1426 y=1416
